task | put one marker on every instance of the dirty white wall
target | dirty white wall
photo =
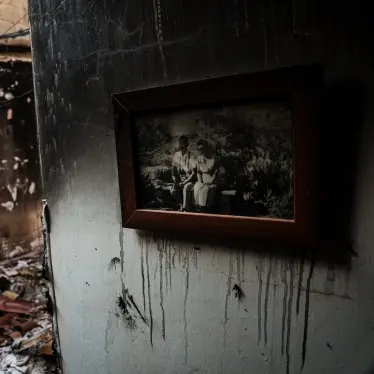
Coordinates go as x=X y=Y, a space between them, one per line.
x=294 y=316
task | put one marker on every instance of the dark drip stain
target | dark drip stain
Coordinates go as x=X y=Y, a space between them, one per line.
x=122 y=253
x=238 y=292
x=225 y=317
x=289 y=317
x=238 y=271
x=187 y=285
x=124 y=308
x=195 y=257
x=169 y=264
x=88 y=284
x=142 y=275
x=164 y=249
x=347 y=281
x=161 y=255
x=132 y=301
x=125 y=303
x=273 y=311
x=299 y=285
x=330 y=280
x=173 y=257
x=122 y=305
x=113 y=263
x=266 y=302
x=149 y=296
x=329 y=346
x=351 y=250
x=179 y=255
x=259 y=268
x=285 y=297
x=306 y=315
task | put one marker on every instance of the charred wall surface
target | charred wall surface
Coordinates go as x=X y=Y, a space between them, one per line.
x=156 y=304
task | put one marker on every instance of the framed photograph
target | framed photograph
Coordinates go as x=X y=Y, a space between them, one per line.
x=234 y=156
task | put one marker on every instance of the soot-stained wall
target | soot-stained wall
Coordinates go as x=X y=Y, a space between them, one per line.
x=142 y=303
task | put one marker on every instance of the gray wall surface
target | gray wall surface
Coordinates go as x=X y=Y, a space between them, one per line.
x=294 y=316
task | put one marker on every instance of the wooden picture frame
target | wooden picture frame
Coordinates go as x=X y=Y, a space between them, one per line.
x=300 y=85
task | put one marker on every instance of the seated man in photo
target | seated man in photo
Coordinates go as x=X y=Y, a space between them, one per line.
x=183 y=174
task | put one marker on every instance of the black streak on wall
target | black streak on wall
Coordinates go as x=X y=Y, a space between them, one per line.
x=306 y=316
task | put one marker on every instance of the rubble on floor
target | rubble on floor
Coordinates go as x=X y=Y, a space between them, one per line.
x=26 y=334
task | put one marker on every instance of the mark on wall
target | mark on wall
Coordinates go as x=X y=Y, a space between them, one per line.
x=266 y=302
x=285 y=296
x=186 y=288
x=160 y=248
x=289 y=316
x=288 y=277
x=123 y=306
x=122 y=253
x=306 y=315
x=330 y=280
x=225 y=318
x=128 y=307
x=299 y=284
x=260 y=269
x=142 y=274
x=238 y=292
x=113 y=262
x=149 y=291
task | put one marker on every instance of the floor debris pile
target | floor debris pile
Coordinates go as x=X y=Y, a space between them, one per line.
x=26 y=335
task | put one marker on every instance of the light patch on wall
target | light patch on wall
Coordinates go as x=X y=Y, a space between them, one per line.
x=9 y=115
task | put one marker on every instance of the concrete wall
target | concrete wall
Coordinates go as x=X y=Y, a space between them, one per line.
x=295 y=315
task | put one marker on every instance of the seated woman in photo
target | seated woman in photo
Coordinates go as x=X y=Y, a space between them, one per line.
x=183 y=174
x=207 y=168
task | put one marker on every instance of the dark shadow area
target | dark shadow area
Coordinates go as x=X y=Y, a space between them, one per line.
x=342 y=123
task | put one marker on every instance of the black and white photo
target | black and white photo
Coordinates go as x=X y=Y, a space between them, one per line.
x=229 y=160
